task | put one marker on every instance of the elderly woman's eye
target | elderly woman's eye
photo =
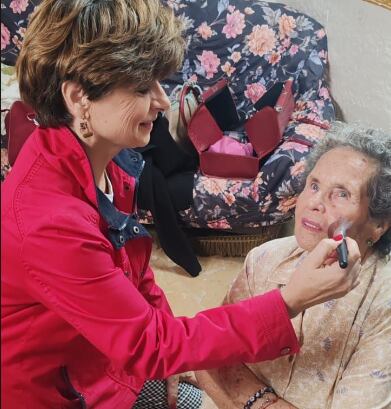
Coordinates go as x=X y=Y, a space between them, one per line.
x=343 y=194
x=314 y=186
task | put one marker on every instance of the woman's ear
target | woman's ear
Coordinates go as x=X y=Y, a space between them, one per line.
x=379 y=228
x=75 y=99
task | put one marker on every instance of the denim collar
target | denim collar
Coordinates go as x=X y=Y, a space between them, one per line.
x=131 y=162
x=121 y=226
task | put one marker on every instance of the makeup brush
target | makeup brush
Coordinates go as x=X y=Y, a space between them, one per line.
x=339 y=228
x=342 y=250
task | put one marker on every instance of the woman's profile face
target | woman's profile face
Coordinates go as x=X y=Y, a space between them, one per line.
x=124 y=118
x=336 y=189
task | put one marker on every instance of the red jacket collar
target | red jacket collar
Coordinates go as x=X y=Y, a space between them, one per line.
x=63 y=150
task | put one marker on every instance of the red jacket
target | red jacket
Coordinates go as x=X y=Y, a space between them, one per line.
x=83 y=322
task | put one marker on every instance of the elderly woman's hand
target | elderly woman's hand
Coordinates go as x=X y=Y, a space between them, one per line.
x=319 y=277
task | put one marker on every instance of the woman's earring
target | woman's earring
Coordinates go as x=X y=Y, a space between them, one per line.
x=370 y=243
x=84 y=129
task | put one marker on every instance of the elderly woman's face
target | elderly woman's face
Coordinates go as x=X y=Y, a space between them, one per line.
x=336 y=188
x=125 y=116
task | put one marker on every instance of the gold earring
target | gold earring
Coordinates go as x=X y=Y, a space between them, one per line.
x=370 y=243
x=84 y=129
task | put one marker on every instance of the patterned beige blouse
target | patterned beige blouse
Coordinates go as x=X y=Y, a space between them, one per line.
x=345 y=359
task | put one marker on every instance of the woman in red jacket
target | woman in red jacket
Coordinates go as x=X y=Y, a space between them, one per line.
x=84 y=324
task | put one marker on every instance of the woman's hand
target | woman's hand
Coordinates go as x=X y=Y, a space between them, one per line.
x=172 y=391
x=172 y=383
x=319 y=277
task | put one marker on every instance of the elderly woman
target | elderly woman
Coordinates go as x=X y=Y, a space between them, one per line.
x=83 y=322
x=345 y=344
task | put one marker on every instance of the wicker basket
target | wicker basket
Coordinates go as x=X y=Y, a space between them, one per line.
x=233 y=245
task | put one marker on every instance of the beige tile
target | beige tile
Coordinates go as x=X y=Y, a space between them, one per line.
x=188 y=295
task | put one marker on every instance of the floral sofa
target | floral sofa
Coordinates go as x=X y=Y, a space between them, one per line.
x=253 y=44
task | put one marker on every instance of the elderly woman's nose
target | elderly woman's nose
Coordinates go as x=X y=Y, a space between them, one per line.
x=317 y=202
x=159 y=98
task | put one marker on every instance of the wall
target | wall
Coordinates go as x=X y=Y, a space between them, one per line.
x=359 y=38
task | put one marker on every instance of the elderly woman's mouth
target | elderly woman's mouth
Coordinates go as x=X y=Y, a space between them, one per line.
x=147 y=125
x=311 y=225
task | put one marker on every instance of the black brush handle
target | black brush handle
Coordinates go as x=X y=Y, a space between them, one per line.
x=342 y=251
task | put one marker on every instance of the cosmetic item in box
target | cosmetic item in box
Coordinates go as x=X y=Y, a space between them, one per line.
x=217 y=113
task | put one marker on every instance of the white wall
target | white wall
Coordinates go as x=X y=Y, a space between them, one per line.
x=359 y=39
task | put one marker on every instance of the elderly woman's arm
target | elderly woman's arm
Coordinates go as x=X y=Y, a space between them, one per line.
x=231 y=388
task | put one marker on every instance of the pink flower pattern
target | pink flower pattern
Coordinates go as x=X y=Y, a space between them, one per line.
x=17 y=41
x=254 y=91
x=286 y=25
x=235 y=56
x=15 y=15
x=274 y=58
x=262 y=40
x=298 y=147
x=235 y=24
x=298 y=168
x=5 y=36
x=294 y=49
x=287 y=203
x=19 y=6
x=310 y=131
x=219 y=225
x=210 y=62
x=228 y=69
x=249 y=11
x=205 y=31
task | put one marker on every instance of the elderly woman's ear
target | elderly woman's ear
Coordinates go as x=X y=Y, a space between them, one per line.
x=379 y=228
x=75 y=99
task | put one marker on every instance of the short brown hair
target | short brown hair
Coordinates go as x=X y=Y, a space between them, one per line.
x=100 y=44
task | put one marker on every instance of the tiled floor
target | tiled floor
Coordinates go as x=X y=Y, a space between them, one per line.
x=188 y=295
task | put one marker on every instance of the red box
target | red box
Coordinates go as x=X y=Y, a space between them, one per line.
x=264 y=130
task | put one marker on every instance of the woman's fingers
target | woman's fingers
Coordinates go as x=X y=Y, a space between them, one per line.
x=325 y=252
x=322 y=252
x=189 y=377
x=319 y=277
x=172 y=391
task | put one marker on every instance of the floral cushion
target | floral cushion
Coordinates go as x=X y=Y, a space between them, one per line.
x=255 y=44
x=14 y=15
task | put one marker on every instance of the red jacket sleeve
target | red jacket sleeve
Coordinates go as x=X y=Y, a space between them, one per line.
x=152 y=292
x=78 y=280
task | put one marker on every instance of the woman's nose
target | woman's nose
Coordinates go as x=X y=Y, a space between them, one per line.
x=317 y=202
x=160 y=99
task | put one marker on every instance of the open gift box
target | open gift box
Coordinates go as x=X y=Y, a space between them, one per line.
x=217 y=113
